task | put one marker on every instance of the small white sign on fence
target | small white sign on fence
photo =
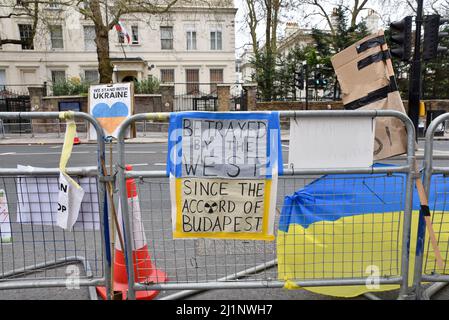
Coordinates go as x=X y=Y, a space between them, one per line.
x=331 y=143
x=110 y=105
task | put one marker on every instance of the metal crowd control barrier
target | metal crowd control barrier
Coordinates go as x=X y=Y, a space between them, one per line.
x=38 y=247
x=204 y=264
x=426 y=269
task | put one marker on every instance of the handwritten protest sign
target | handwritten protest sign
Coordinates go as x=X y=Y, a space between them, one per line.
x=5 y=225
x=223 y=173
x=110 y=105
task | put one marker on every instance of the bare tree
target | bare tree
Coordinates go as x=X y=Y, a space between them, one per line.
x=264 y=14
x=105 y=21
x=103 y=13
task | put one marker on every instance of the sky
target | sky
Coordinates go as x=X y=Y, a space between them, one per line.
x=386 y=13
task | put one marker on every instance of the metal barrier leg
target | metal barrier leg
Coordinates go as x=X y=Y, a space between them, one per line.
x=235 y=276
x=56 y=264
x=433 y=289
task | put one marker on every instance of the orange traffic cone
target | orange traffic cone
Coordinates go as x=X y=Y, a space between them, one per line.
x=76 y=140
x=144 y=270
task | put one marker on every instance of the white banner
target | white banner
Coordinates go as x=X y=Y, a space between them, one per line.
x=331 y=143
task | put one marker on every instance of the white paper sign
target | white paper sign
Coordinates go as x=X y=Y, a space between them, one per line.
x=37 y=201
x=5 y=225
x=69 y=202
x=110 y=105
x=331 y=143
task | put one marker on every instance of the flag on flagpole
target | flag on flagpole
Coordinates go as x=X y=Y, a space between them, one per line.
x=121 y=28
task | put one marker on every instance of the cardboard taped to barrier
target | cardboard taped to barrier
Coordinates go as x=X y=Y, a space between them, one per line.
x=366 y=77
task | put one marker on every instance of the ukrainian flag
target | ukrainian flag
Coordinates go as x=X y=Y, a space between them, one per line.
x=350 y=226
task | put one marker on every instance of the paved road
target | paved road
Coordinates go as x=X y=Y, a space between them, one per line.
x=142 y=157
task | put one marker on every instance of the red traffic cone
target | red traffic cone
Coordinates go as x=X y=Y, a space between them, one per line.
x=144 y=270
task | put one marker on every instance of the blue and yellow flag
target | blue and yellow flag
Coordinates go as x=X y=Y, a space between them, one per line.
x=350 y=226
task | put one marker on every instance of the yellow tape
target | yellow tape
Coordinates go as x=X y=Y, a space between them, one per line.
x=67 y=147
x=291 y=285
x=156 y=117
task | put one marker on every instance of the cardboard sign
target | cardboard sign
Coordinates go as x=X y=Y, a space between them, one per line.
x=110 y=105
x=366 y=76
x=223 y=172
x=5 y=225
x=331 y=143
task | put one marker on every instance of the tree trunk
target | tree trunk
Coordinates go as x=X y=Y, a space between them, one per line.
x=105 y=68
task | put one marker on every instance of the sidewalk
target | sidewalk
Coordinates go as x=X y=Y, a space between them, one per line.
x=148 y=137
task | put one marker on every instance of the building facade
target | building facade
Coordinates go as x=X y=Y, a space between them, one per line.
x=194 y=46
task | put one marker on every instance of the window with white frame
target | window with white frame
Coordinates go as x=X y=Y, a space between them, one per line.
x=166 y=38
x=26 y=36
x=57 y=76
x=167 y=75
x=192 y=81
x=89 y=38
x=135 y=34
x=91 y=76
x=57 y=41
x=216 y=40
x=216 y=76
x=191 y=40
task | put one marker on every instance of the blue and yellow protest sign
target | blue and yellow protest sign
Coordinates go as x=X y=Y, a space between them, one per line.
x=223 y=170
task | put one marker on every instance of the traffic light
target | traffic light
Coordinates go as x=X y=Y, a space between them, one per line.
x=299 y=80
x=401 y=37
x=432 y=36
x=319 y=81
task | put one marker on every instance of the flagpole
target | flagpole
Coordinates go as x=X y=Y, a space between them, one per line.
x=123 y=49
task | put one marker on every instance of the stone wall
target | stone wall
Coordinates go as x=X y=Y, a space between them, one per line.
x=299 y=105
x=337 y=105
x=143 y=103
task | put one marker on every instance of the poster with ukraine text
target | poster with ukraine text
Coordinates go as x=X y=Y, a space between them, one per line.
x=110 y=105
x=223 y=170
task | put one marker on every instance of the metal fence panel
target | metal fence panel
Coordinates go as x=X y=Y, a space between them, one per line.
x=212 y=264
x=39 y=248
x=435 y=178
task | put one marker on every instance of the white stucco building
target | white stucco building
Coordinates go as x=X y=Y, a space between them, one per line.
x=187 y=44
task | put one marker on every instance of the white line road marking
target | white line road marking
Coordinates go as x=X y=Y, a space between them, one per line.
x=55 y=147
x=143 y=152
x=39 y=153
x=285 y=146
x=159 y=164
x=139 y=164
